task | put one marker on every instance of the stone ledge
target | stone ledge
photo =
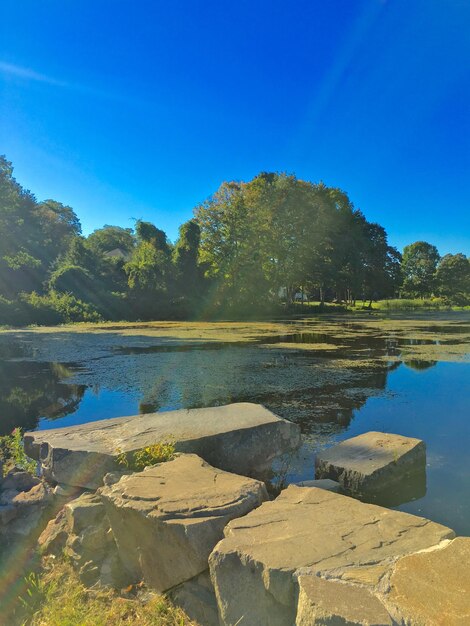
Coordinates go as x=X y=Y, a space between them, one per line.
x=243 y=438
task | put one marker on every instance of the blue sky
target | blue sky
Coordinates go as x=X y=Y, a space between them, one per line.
x=141 y=108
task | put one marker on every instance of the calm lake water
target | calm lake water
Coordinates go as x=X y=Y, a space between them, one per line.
x=336 y=380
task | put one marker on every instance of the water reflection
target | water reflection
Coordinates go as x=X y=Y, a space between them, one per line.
x=30 y=390
x=366 y=381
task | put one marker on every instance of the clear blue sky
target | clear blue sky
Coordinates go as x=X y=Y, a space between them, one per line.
x=141 y=108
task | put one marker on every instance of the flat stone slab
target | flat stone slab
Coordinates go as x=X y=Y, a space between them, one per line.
x=306 y=531
x=332 y=602
x=167 y=519
x=371 y=462
x=432 y=588
x=243 y=438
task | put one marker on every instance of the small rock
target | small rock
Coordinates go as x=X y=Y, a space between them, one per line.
x=19 y=480
x=84 y=512
x=321 y=483
x=371 y=462
x=111 y=478
x=197 y=599
x=112 y=572
x=331 y=602
x=67 y=491
x=7 y=496
x=53 y=538
x=8 y=512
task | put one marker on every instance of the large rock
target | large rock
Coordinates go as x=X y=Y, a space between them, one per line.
x=243 y=438
x=25 y=513
x=372 y=462
x=332 y=602
x=306 y=531
x=81 y=530
x=432 y=588
x=167 y=519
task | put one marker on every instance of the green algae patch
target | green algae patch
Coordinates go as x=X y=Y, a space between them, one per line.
x=313 y=347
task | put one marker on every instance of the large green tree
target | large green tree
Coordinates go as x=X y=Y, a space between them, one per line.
x=419 y=266
x=453 y=278
x=32 y=235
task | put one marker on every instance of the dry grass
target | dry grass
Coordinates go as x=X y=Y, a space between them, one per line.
x=64 y=601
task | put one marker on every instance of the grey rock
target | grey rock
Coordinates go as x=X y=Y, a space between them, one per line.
x=8 y=512
x=332 y=602
x=19 y=480
x=197 y=599
x=321 y=483
x=307 y=531
x=84 y=512
x=32 y=510
x=371 y=462
x=67 y=491
x=167 y=519
x=242 y=438
x=54 y=537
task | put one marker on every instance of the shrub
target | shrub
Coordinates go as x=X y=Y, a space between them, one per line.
x=411 y=304
x=57 y=308
x=150 y=455
x=12 y=452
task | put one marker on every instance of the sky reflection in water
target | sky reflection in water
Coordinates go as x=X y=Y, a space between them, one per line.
x=421 y=399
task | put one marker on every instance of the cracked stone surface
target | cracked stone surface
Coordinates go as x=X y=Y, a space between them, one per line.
x=371 y=462
x=306 y=531
x=241 y=437
x=432 y=588
x=167 y=519
x=334 y=603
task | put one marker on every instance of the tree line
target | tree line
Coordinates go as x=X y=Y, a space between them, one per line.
x=252 y=247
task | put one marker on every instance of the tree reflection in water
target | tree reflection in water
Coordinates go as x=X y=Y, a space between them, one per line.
x=30 y=390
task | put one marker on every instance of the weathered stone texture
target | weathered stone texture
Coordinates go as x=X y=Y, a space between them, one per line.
x=167 y=519
x=197 y=599
x=327 y=602
x=432 y=588
x=371 y=462
x=242 y=438
x=81 y=530
x=305 y=531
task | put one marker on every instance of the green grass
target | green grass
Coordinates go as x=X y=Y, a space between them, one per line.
x=57 y=598
x=416 y=304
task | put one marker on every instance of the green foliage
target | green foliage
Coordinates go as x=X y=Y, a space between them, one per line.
x=250 y=248
x=150 y=455
x=72 y=279
x=419 y=266
x=32 y=235
x=453 y=279
x=58 y=598
x=12 y=452
x=56 y=308
x=277 y=232
x=411 y=304
x=34 y=593
x=110 y=238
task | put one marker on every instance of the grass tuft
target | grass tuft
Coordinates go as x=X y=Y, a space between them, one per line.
x=64 y=601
